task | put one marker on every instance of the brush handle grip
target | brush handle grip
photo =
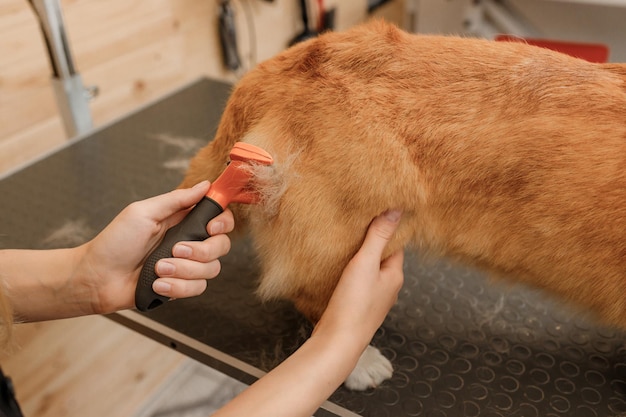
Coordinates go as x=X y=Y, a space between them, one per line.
x=192 y=227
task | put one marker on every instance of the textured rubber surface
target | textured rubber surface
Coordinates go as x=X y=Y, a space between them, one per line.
x=460 y=345
x=191 y=228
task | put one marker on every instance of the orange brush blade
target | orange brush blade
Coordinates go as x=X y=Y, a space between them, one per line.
x=232 y=185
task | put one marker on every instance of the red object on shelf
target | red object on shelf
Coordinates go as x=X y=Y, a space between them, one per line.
x=592 y=52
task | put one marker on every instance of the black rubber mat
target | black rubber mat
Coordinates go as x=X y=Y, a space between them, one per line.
x=460 y=345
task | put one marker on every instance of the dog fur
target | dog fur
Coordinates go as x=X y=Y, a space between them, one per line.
x=505 y=156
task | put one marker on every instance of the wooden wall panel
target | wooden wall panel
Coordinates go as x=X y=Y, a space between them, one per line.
x=134 y=51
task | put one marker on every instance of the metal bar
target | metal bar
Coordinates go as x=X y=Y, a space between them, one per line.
x=71 y=96
x=207 y=355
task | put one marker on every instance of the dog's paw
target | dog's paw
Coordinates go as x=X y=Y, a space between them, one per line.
x=370 y=371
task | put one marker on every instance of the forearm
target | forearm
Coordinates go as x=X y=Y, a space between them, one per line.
x=299 y=385
x=44 y=284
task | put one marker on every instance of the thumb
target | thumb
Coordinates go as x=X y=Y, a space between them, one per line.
x=380 y=232
x=163 y=206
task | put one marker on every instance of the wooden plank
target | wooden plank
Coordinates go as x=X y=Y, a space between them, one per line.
x=87 y=366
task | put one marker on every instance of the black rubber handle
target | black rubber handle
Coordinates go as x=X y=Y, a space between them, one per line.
x=192 y=227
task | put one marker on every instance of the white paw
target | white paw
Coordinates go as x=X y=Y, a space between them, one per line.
x=370 y=371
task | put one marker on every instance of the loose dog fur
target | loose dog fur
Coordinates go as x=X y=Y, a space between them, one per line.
x=503 y=155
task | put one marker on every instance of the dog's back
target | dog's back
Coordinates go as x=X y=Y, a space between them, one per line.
x=505 y=155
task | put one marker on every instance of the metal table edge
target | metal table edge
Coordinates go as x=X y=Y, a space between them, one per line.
x=205 y=354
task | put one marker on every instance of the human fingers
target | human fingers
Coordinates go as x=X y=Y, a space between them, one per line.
x=195 y=260
x=380 y=232
x=365 y=295
x=165 y=205
x=392 y=266
x=203 y=250
x=179 y=288
x=187 y=269
x=364 y=291
x=382 y=292
x=223 y=223
x=392 y=275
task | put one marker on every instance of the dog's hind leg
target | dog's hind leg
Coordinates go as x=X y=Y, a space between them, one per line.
x=303 y=263
x=371 y=370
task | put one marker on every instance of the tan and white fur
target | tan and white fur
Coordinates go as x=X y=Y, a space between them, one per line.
x=505 y=156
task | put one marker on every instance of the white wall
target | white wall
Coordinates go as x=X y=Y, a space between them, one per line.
x=581 y=21
x=578 y=22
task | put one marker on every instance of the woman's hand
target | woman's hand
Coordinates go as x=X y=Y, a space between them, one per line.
x=367 y=290
x=368 y=287
x=112 y=261
x=100 y=276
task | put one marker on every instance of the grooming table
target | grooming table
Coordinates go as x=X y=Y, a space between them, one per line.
x=460 y=345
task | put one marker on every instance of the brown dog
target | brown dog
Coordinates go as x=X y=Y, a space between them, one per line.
x=503 y=155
